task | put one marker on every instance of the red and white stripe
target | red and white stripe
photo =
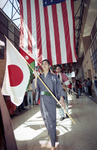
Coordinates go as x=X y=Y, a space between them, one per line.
x=48 y=32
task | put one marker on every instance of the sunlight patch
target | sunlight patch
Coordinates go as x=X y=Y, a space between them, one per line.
x=47 y=144
x=34 y=126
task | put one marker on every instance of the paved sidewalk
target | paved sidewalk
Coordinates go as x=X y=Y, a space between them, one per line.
x=31 y=134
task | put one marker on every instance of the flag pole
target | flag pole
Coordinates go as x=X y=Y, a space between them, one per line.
x=66 y=91
x=51 y=92
x=72 y=90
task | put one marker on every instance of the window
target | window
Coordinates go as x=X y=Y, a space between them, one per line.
x=2 y=46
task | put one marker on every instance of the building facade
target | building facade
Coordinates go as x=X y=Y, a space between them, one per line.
x=10 y=30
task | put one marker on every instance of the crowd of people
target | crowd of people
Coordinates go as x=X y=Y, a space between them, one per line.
x=87 y=86
x=90 y=86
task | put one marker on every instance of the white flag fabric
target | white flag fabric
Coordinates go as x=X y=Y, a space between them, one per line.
x=16 y=75
x=2 y=43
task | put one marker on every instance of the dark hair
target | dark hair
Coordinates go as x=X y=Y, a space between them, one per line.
x=59 y=66
x=46 y=61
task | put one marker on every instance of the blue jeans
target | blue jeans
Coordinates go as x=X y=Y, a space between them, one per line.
x=79 y=92
x=95 y=89
x=74 y=89
x=29 y=98
x=61 y=111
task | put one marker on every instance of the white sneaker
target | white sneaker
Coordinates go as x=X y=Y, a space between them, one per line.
x=27 y=106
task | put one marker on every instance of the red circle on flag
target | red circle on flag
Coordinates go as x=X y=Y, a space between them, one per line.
x=15 y=75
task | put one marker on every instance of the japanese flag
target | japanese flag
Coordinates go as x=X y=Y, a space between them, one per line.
x=16 y=75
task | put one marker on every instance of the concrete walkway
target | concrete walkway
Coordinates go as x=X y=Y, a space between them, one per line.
x=31 y=134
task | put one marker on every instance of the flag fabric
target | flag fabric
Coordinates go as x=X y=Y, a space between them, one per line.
x=16 y=75
x=47 y=30
x=30 y=61
x=28 y=58
x=2 y=43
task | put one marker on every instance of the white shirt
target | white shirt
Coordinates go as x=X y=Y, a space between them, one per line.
x=60 y=76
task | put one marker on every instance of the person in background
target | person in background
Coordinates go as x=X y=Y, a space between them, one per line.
x=94 y=81
x=76 y=87
x=89 y=85
x=65 y=82
x=70 y=87
x=30 y=95
x=85 y=86
x=73 y=86
x=79 y=89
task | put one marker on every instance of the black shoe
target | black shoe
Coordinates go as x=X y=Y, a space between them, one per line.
x=62 y=118
x=23 y=108
x=19 y=109
x=36 y=104
x=13 y=115
x=67 y=116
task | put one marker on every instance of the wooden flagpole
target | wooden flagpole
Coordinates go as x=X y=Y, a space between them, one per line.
x=66 y=91
x=72 y=91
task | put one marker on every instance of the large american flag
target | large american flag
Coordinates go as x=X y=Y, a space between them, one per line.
x=47 y=30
